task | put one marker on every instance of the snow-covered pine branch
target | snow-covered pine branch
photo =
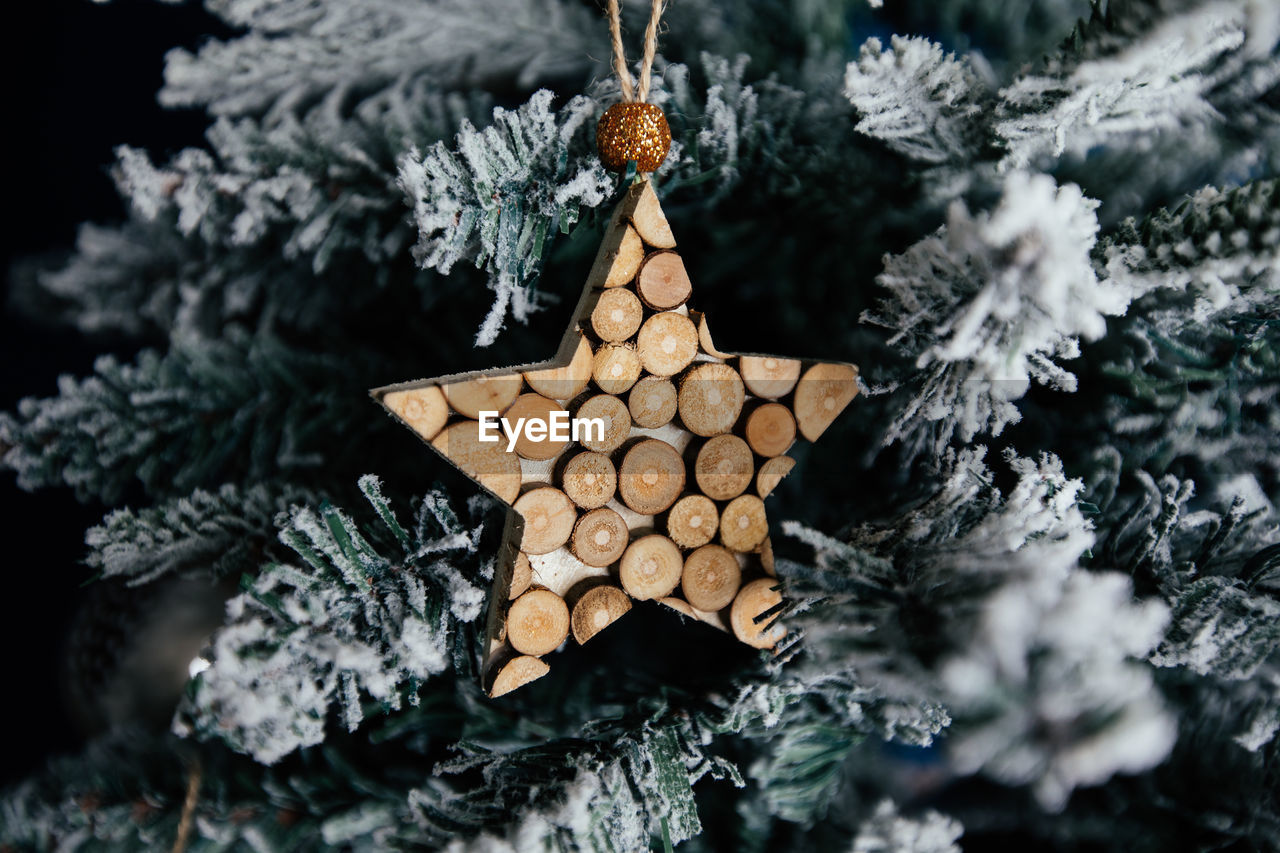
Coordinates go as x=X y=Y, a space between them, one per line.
x=922 y=103
x=296 y=51
x=368 y=612
x=204 y=413
x=888 y=831
x=217 y=534
x=991 y=302
x=496 y=196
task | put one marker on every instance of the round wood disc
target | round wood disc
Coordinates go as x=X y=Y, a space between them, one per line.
x=755 y=598
x=521 y=575
x=589 y=479
x=667 y=343
x=743 y=526
x=627 y=260
x=693 y=521
x=649 y=221
x=617 y=422
x=651 y=567
x=770 y=429
x=710 y=399
x=767 y=376
x=663 y=283
x=600 y=537
x=771 y=474
x=537 y=622
x=549 y=516
x=563 y=383
x=704 y=336
x=598 y=608
x=424 y=409
x=679 y=605
x=724 y=467
x=487 y=461
x=651 y=476
x=821 y=395
x=617 y=315
x=537 y=408
x=616 y=368
x=710 y=578
x=652 y=402
x=483 y=394
x=517 y=672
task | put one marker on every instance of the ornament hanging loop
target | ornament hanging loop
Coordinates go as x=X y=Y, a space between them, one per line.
x=633 y=131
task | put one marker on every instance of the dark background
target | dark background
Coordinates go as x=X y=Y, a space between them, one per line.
x=81 y=78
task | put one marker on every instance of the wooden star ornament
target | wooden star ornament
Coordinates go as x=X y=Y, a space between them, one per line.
x=636 y=462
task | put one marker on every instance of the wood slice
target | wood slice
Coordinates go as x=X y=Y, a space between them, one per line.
x=589 y=479
x=652 y=402
x=600 y=537
x=648 y=219
x=483 y=394
x=425 y=410
x=598 y=608
x=549 y=516
x=617 y=422
x=724 y=467
x=663 y=283
x=704 y=336
x=710 y=578
x=693 y=521
x=679 y=605
x=563 y=383
x=743 y=526
x=517 y=672
x=537 y=622
x=616 y=368
x=537 y=411
x=710 y=399
x=521 y=575
x=627 y=261
x=616 y=315
x=651 y=567
x=667 y=343
x=755 y=598
x=620 y=253
x=770 y=429
x=651 y=476
x=821 y=395
x=766 y=558
x=487 y=462
x=771 y=474
x=769 y=377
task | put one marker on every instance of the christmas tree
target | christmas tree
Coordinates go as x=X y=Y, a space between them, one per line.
x=1032 y=576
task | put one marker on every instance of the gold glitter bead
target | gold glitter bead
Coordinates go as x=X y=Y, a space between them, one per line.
x=633 y=132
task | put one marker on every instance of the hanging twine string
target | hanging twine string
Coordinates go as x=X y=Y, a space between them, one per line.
x=641 y=93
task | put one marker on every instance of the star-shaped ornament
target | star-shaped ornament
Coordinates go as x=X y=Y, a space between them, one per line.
x=636 y=461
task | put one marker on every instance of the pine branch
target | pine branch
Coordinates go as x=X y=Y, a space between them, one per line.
x=1145 y=68
x=922 y=103
x=221 y=534
x=207 y=412
x=990 y=303
x=499 y=195
x=887 y=831
x=313 y=186
x=295 y=52
x=370 y=612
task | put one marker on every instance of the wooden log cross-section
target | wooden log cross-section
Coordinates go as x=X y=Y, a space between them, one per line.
x=661 y=497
